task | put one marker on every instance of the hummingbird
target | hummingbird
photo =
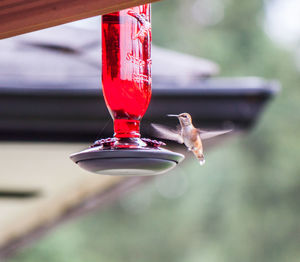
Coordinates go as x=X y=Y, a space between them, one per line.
x=187 y=134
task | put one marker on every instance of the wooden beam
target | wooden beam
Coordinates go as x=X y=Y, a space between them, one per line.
x=23 y=16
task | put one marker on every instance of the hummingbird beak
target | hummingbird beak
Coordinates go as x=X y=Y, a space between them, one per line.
x=173 y=115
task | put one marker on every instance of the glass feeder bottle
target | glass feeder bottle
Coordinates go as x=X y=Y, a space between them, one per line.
x=126 y=71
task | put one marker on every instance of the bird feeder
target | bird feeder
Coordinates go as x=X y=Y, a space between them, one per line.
x=126 y=82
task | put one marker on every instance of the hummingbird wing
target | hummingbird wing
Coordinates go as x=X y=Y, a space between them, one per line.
x=167 y=133
x=209 y=134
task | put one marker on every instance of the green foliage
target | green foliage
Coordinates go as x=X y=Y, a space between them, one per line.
x=243 y=205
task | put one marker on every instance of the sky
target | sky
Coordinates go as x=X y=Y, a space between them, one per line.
x=282 y=21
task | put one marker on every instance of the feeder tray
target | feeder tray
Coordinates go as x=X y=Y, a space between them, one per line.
x=127 y=162
x=102 y=158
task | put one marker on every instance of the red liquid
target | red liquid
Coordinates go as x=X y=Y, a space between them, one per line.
x=126 y=67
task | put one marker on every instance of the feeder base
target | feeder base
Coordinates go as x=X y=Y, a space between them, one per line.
x=127 y=162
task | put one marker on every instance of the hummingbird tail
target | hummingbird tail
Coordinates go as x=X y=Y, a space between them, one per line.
x=202 y=161
x=199 y=156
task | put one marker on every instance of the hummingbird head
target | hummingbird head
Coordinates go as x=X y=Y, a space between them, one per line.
x=185 y=119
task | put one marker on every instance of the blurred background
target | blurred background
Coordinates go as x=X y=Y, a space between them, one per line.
x=244 y=204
